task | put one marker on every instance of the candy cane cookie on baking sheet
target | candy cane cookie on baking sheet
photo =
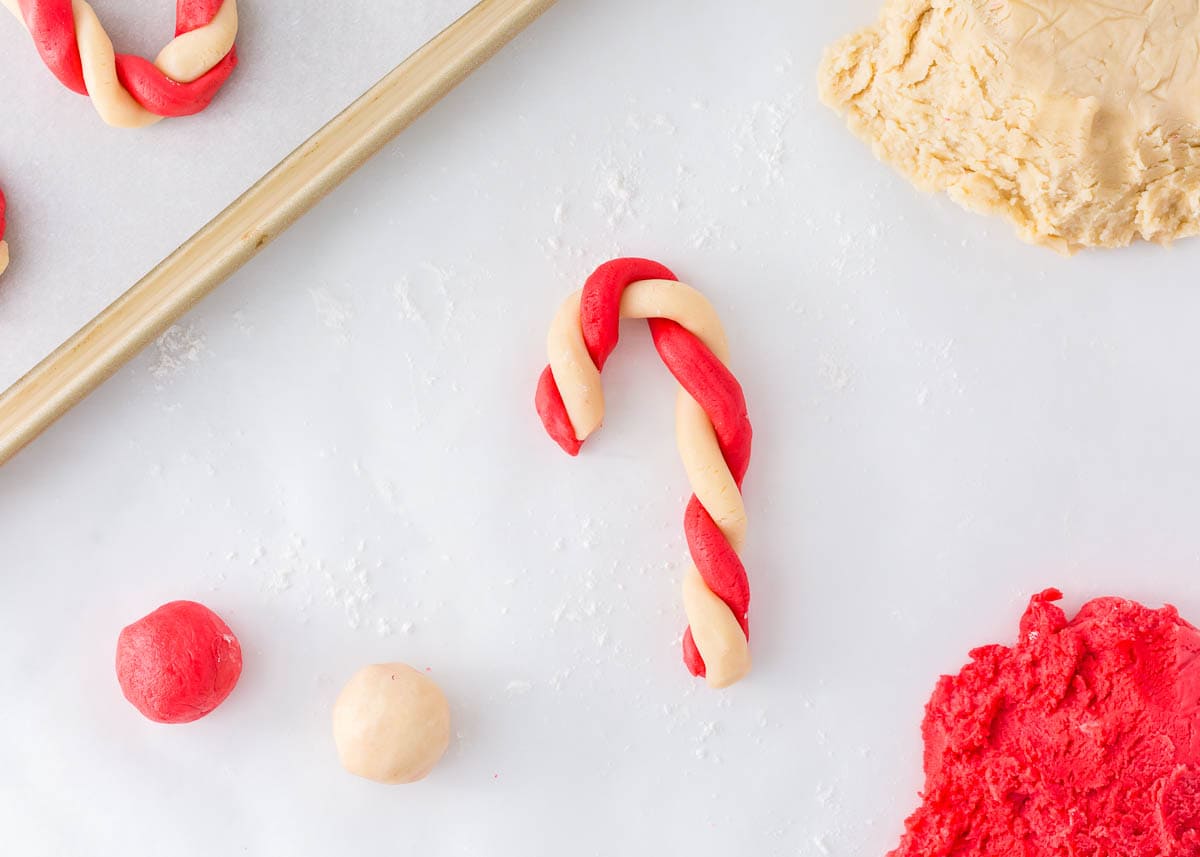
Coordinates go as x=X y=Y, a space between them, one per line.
x=712 y=431
x=129 y=91
x=3 y=243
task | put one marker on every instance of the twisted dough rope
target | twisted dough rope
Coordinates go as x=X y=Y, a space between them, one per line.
x=3 y=243
x=129 y=91
x=712 y=432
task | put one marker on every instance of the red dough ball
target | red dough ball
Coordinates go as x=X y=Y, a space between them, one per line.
x=178 y=663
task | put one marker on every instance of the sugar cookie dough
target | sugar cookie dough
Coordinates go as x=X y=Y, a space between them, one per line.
x=1078 y=121
x=1082 y=739
x=178 y=663
x=391 y=724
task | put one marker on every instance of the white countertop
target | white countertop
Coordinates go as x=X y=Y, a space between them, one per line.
x=338 y=450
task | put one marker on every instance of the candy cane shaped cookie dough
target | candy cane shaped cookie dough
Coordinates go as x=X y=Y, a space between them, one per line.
x=128 y=91
x=713 y=434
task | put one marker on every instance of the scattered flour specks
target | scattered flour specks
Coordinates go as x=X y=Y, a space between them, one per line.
x=856 y=251
x=180 y=346
x=616 y=193
x=409 y=311
x=296 y=572
x=242 y=322
x=835 y=376
x=351 y=589
x=642 y=123
x=761 y=135
x=708 y=234
x=423 y=295
x=332 y=312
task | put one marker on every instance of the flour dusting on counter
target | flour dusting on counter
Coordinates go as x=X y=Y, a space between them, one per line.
x=179 y=346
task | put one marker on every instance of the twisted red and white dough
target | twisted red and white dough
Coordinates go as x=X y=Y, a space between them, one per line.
x=129 y=91
x=713 y=434
x=3 y=243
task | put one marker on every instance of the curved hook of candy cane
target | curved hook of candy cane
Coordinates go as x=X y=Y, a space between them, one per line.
x=578 y=377
x=127 y=91
x=571 y=400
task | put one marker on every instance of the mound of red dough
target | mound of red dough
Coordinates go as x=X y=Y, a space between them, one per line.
x=178 y=663
x=1083 y=739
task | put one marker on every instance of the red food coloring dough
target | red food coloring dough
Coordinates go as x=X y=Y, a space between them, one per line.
x=178 y=663
x=1082 y=740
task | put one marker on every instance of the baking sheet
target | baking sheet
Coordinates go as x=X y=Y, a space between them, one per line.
x=338 y=451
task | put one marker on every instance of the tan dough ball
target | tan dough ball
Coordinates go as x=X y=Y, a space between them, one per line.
x=391 y=724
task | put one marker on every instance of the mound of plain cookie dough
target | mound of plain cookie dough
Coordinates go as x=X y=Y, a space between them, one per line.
x=1078 y=121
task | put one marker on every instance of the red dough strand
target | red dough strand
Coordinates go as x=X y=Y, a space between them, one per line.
x=165 y=97
x=708 y=381
x=52 y=25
